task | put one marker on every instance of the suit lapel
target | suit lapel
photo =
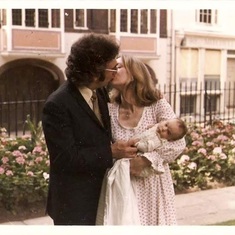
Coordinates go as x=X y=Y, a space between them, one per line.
x=83 y=104
x=81 y=101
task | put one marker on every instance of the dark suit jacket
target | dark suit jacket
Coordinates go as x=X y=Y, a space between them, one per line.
x=80 y=153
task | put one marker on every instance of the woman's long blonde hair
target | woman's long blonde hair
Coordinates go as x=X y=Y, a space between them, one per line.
x=142 y=86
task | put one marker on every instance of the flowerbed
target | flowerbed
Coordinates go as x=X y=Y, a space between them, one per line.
x=24 y=166
x=24 y=163
x=208 y=159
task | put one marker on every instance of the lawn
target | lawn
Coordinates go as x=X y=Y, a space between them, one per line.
x=226 y=223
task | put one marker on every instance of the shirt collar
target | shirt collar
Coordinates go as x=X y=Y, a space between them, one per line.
x=86 y=93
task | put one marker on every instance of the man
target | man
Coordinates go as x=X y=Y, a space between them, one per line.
x=78 y=142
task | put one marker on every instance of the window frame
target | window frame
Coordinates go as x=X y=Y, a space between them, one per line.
x=43 y=18
x=85 y=26
x=17 y=17
x=188 y=104
x=3 y=17
x=210 y=16
x=25 y=19
x=55 y=21
x=124 y=16
x=34 y=21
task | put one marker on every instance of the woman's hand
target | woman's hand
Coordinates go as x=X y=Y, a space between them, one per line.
x=137 y=164
x=124 y=149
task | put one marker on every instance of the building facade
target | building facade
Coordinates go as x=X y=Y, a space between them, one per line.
x=35 y=43
x=204 y=61
x=191 y=51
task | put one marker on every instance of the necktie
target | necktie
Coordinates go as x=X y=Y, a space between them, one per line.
x=96 y=109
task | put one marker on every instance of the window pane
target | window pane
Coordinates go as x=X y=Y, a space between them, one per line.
x=134 y=21
x=189 y=63
x=4 y=18
x=43 y=18
x=79 y=18
x=55 y=18
x=216 y=13
x=212 y=62
x=123 y=27
x=112 y=20
x=187 y=104
x=153 y=21
x=212 y=84
x=209 y=16
x=205 y=16
x=200 y=16
x=16 y=17
x=211 y=103
x=30 y=17
x=144 y=22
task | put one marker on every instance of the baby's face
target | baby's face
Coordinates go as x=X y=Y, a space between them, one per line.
x=168 y=129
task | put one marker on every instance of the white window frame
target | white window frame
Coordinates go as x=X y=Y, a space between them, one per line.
x=36 y=20
x=85 y=19
x=138 y=23
x=214 y=17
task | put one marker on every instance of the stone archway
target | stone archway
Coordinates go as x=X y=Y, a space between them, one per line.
x=25 y=84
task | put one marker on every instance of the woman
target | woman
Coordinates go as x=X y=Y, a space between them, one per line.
x=136 y=105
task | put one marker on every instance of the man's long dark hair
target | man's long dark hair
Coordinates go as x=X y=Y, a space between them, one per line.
x=88 y=58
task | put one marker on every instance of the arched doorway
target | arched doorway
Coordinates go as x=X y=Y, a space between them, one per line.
x=24 y=86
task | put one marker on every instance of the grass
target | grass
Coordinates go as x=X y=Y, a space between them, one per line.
x=226 y=223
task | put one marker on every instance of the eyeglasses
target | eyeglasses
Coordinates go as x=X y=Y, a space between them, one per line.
x=111 y=70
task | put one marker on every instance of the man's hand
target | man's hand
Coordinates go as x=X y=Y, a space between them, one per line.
x=124 y=149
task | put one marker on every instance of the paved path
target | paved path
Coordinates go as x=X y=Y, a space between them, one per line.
x=197 y=208
x=206 y=207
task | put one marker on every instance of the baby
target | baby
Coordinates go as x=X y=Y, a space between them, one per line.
x=159 y=134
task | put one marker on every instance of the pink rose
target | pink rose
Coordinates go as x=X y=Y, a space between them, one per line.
x=5 y=160
x=17 y=153
x=202 y=150
x=223 y=156
x=197 y=143
x=38 y=159
x=30 y=173
x=217 y=150
x=212 y=157
x=2 y=170
x=9 y=173
x=37 y=149
x=20 y=160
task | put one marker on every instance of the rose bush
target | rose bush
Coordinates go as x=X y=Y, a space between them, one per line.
x=24 y=166
x=24 y=163
x=208 y=158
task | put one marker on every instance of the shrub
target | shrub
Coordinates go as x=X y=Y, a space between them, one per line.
x=209 y=157
x=24 y=163
x=23 y=168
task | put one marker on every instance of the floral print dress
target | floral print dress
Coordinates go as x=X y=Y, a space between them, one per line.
x=155 y=194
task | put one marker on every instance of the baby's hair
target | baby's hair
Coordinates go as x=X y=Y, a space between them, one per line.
x=183 y=127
